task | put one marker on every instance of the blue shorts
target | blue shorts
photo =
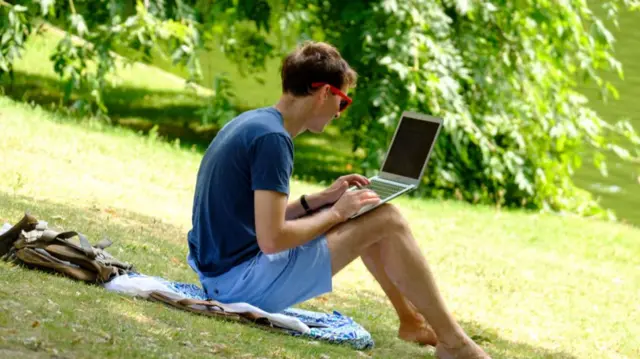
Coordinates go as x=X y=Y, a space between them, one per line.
x=275 y=282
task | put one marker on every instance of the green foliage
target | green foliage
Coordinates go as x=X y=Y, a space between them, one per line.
x=504 y=76
x=94 y=29
x=15 y=29
x=219 y=108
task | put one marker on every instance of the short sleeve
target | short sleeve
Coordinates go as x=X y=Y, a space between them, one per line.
x=271 y=163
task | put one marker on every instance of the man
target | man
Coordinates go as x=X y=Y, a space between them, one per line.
x=248 y=245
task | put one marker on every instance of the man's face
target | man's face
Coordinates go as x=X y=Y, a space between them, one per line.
x=327 y=108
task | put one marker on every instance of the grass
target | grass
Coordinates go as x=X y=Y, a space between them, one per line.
x=526 y=285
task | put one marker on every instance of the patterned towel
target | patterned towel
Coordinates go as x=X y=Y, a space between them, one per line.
x=339 y=329
x=333 y=328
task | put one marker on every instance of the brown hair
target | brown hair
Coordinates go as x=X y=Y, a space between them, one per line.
x=315 y=62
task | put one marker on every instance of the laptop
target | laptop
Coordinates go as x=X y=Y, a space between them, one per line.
x=406 y=158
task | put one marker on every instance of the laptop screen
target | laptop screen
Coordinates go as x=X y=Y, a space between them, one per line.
x=410 y=147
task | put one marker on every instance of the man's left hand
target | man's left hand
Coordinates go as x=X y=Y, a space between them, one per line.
x=340 y=186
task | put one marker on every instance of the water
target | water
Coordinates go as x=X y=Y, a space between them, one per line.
x=620 y=191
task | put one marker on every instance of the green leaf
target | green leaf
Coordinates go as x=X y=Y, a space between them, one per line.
x=6 y=37
x=79 y=25
x=621 y=152
x=12 y=17
x=47 y=6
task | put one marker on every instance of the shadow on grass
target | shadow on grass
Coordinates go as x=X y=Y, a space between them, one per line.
x=149 y=244
x=319 y=157
x=173 y=111
x=381 y=321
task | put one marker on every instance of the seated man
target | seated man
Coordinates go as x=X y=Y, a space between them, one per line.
x=248 y=245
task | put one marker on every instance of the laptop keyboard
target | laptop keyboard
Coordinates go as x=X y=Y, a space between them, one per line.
x=384 y=189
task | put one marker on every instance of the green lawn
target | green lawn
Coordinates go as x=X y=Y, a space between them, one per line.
x=526 y=285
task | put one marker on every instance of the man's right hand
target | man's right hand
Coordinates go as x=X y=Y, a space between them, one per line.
x=352 y=201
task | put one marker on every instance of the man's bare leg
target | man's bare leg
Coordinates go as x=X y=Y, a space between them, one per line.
x=413 y=326
x=406 y=268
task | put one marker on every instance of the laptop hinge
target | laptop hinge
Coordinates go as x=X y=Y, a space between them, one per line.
x=378 y=178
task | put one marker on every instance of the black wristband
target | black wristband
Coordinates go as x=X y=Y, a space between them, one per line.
x=305 y=205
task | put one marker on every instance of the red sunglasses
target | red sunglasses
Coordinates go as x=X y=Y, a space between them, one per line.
x=346 y=100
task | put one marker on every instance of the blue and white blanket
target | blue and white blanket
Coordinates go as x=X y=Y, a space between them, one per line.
x=332 y=328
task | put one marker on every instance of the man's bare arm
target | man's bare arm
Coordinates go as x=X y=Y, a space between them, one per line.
x=326 y=197
x=295 y=209
x=275 y=233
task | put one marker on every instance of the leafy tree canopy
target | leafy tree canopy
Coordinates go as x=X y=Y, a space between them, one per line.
x=504 y=75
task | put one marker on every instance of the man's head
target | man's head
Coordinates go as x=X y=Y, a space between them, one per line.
x=317 y=72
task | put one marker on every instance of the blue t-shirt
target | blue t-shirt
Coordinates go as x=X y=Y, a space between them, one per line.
x=252 y=152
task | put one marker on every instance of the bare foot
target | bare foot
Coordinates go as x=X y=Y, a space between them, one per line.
x=468 y=349
x=420 y=333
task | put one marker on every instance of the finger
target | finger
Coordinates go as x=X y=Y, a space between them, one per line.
x=369 y=201
x=368 y=194
x=356 y=179
x=363 y=181
x=352 y=178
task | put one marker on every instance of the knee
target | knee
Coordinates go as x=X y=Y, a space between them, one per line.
x=391 y=219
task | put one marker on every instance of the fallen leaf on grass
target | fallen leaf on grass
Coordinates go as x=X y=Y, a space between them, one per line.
x=32 y=343
x=479 y=338
x=127 y=299
x=175 y=260
x=215 y=347
x=111 y=211
x=104 y=337
x=35 y=324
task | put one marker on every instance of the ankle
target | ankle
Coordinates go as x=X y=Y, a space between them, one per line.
x=418 y=333
x=454 y=339
x=412 y=320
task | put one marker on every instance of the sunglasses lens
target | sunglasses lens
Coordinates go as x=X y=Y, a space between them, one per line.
x=343 y=105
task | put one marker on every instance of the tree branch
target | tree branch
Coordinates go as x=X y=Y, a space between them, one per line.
x=73 y=8
x=4 y=3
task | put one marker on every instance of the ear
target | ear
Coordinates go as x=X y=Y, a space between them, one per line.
x=323 y=94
